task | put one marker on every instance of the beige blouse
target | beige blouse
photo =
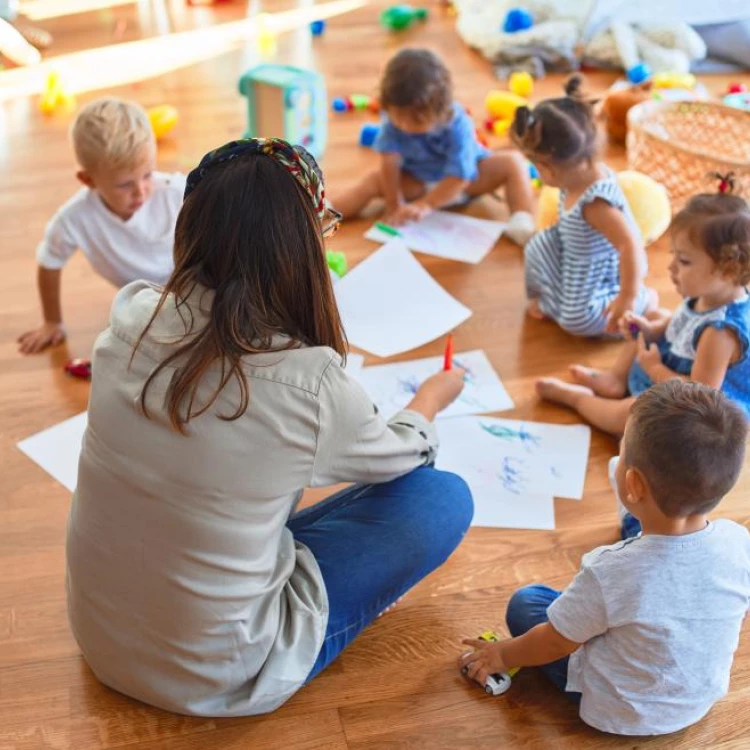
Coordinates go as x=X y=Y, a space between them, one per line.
x=186 y=590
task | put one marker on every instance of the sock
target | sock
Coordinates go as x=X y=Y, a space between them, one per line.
x=520 y=227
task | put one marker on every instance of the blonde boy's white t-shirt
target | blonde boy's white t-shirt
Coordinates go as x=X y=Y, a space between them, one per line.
x=120 y=251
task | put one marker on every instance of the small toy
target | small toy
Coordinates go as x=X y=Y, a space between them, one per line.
x=266 y=37
x=387 y=229
x=79 y=368
x=674 y=81
x=517 y=19
x=501 y=127
x=616 y=106
x=357 y=102
x=499 y=682
x=162 y=119
x=286 y=102
x=521 y=83
x=336 y=262
x=736 y=88
x=740 y=100
x=634 y=329
x=400 y=17
x=368 y=134
x=502 y=105
x=55 y=96
x=639 y=73
x=317 y=28
x=536 y=180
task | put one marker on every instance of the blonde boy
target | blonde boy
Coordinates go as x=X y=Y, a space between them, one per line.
x=123 y=219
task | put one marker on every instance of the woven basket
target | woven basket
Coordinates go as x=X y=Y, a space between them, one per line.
x=680 y=143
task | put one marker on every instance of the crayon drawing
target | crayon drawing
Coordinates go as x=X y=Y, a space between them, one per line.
x=392 y=386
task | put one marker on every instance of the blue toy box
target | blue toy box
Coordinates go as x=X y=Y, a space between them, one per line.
x=287 y=102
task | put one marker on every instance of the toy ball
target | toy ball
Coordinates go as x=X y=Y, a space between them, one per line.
x=339 y=104
x=638 y=73
x=533 y=172
x=163 y=119
x=368 y=134
x=79 y=368
x=502 y=105
x=521 y=83
x=360 y=101
x=517 y=19
x=736 y=88
x=317 y=28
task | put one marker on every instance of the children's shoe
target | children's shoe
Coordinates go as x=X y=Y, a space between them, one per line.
x=521 y=227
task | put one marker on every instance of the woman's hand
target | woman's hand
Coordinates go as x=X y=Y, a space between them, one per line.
x=486 y=659
x=438 y=392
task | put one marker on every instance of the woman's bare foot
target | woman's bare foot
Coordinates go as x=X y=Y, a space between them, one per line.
x=602 y=382
x=567 y=394
x=533 y=310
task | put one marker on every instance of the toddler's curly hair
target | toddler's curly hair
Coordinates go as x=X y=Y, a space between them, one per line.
x=720 y=224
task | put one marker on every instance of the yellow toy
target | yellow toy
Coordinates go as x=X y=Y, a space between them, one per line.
x=673 y=81
x=162 y=119
x=55 y=96
x=521 y=83
x=502 y=105
x=647 y=199
x=501 y=127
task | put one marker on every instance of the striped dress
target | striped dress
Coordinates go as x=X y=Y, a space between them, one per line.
x=573 y=270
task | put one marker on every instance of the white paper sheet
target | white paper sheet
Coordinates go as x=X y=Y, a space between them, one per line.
x=57 y=449
x=497 y=508
x=447 y=235
x=389 y=304
x=523 y=458
x=392 y=386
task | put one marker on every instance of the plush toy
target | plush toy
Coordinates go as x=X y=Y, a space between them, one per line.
x=647 y=199
x=615 y=109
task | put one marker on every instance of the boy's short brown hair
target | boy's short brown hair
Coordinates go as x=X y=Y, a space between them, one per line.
x=417 y=79
x=111 y=133
x=688 y=441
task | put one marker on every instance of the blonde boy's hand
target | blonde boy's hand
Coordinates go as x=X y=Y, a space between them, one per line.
x=486 y=659
x=617 y=309
x=48 y=334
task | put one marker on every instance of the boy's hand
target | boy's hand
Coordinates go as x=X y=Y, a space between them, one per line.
x=485 y=660
x=48 y=334
x=407 y=212
x=648 y=355
x=617 y=309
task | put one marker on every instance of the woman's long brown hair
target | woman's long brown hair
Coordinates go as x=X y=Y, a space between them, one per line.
x=249 y=233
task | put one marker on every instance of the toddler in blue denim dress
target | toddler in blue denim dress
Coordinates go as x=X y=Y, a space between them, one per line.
x=707 y=339
x=430 y=157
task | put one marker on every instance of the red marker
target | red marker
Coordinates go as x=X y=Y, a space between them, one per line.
x=448 y=359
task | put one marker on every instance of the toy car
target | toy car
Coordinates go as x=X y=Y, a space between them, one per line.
x=79 y=368
x=499 y=682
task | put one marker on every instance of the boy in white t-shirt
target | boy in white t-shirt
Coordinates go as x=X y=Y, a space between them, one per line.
x=123 y=219
x=645 y=634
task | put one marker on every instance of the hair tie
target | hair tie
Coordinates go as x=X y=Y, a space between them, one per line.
x=295 y=159
x=726 y=182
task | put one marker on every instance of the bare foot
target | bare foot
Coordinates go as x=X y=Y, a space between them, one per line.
x=602 y=382
x=392 y=606
x=534 y=311
x=567 y=394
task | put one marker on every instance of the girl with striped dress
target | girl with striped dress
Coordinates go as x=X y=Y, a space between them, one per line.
x=586 y=271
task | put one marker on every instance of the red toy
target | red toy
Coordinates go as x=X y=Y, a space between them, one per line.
x=79 y=368
x=737 y=88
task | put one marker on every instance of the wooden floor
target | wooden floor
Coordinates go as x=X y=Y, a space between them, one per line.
x=397 y=686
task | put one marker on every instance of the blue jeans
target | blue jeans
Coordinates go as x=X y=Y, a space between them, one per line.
x=528 y=608
x=375 y=542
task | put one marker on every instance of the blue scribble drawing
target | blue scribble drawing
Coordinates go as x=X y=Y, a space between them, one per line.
x=469 y=376
x=409 y=385
x=512 y=475
x=555 y=471
x=521 y=434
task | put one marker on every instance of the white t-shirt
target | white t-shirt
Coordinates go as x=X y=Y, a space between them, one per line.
x=120 y=251
x=659 y=618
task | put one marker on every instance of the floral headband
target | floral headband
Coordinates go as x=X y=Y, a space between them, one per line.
x=295 y=159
